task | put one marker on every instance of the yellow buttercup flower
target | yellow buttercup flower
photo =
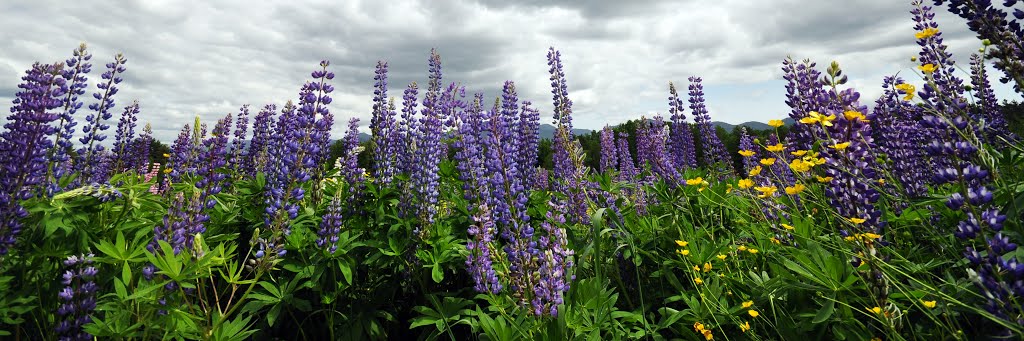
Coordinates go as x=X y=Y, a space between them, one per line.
x=695 y=181
x=823 y=180
x=841 y=146
x=755 y=171
x=721 y=257
x=768 y=162
x=907 y=89
x=167 y=155
x=747 y=304
x=707 y=267
x=870 y=235
x=926 y=33
x=928 y=304
x=776 y=123
x=683 y=252
x=795 y=189
x=778 y=147
x=851 y=115
x=752 y=250
x=682 y=243
x=699 y=327
x=787 y=226
x=747 y=153
x=857 y=221
x=876 y=310
x=799 y=153
x=928 y=68
x=766 y=191
x=800 y=166
x=746 y=183
x=708 y=336
x=745 y=326
x=696 y=268
x=698 y=281
x=168 y=170
x=753 y=313
x=881 y=181
x=742 y=248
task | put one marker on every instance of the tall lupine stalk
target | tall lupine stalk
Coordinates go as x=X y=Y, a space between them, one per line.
x=142 y=150
x=238 y=142
x=330 y=226
x=627 y=166
x=258 y=154
x=350 y=170
x=852 y=192
x=681 y=138
x=569 y=171
x=747 y=150
x=715 y=156
x=992 y=23
x=803 y=91
x=955 y=141
x=651 y=141
x=89 y=163
x=992 y=123
x=124 y=154
x=529 y=139
x=408 y=131
x=780 y=171
x=383 y=128
x=77 y=298
x=428 y=155
x=609 y=156
x=507 y=198
x=183 y=157
x=295 y=160
x=554 y=264
x=24 y=145
x=74 y=73
x=900 y=136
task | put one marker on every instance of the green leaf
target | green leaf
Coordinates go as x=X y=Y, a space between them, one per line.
x=825 y=312
x=437 y=273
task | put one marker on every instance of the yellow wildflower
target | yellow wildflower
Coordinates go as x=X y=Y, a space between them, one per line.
x=747 y=153
x=696 y=268
x=752 y=250
x=855 y=115
x=778 y=147
x=926 y=33
x=746 y=183
x=857 y=221
x=907 y=89
x=928 y=68
x=766 y=191
x=753 y=313
x=167 y=155
x=695 y=181
x=708 y=336
x=745 y=326
x=795 y=189
x=684 y=252
x=801 y=166
x=699 y=327
x=787 y=226
x=881 y=181
x=742 y=248
x=776 y=240
x=707 y=267
x=755 y=171
x=928 y=304
x=776 y=123
x=721 y=257
x=826 y=179
x=168 y=170
x=841 y=146
x=747 y=304
x=698 y=281
x=682 y=243
x=768 y=162
x=799 y=153
x=876 y=310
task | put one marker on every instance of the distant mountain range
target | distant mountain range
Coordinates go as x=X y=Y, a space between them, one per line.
x=547 y=131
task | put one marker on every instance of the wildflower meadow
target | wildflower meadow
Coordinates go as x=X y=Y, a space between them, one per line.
x=847 y=218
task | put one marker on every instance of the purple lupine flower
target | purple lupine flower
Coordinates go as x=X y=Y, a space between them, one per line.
x=295 y=157
x=651 y=140
x=213 y=160
x=715 y=156
x=469 y=149
x=384 y=129
x=804 y=88
x=330 y=226
x=74 y=73
x=529 y=139
x=993 y=24
x=350 y=170
x=541 y=179
x=507 y=198
x=238 y=143
x=89 y=163
x=427 y=157
x=77 y=299
x=142 y=150
x=680 y=137
x=24 y=145
x=780 y=171
x=258 y=153
x=124 y=154
x=182 y=157
x=627 y=167
x=608 y=153
x=747 y=143
x=569 y=171
x=900 y=137
x=406 y=152
x=481 y=248
x=554 y=271
x=992 y=123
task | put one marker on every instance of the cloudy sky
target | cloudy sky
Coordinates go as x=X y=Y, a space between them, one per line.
x=188 y=58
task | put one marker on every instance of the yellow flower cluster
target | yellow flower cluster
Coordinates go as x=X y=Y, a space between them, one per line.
x=699 y=327
x=926 y=33
x=766 y=191
x=746 y=183
x=851 y=115
x=778 y=147
x=768 y=162
x=863 y=237
x=805 y=161
x=747 y=153
x=776 y=123
x=907 y=89
x=754 y=171
x=795 y=189
x=681 y=250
